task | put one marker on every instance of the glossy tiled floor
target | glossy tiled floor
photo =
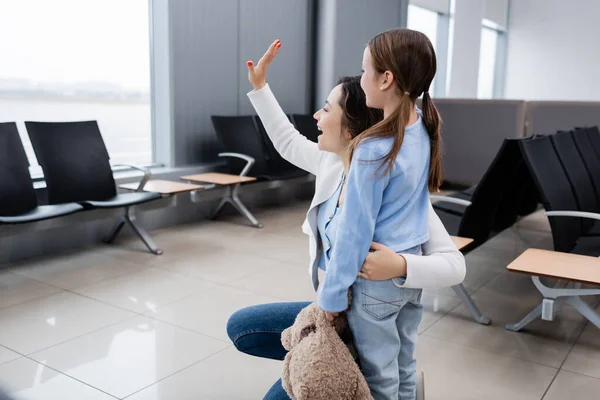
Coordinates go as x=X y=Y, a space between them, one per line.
x=116 y=322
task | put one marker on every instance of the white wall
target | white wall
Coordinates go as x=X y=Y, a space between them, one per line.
x=553 y=50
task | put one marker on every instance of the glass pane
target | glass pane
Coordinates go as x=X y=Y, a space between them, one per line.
x=426 y=21
x=487 y=63
x=69 y=60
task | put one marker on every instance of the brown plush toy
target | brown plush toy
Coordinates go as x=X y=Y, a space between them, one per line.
x=319 y=365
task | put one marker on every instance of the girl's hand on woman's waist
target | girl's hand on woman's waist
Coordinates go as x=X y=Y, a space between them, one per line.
x=382 y=264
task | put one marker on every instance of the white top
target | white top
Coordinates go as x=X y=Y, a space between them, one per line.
x=444 y=266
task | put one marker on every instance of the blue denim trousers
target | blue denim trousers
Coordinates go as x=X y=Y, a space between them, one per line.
x=256 y=330
x=384 y=319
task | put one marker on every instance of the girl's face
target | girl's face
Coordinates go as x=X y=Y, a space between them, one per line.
x=369 y=82
x=334 y=139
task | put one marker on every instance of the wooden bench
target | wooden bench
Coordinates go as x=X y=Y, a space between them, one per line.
x=573 y=268
x=233 y=184
x=461 y=291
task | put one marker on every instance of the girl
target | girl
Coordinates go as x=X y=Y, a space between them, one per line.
x=393 y=164
x=256 y=330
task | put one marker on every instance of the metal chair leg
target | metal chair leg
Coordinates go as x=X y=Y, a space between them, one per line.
x=420 y=386
x=554 y=298
x=142 y=233
x=130 y=219
x=219 y=208
x=585 y=309
x=462 y=293
x=532 y=316
x=115 y=232
x=237 y=203
x=232 y=198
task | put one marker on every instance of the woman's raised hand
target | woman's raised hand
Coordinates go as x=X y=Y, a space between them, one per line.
x=257 y=74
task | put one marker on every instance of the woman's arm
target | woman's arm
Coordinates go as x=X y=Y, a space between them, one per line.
x=292 y=146
x=441 y=265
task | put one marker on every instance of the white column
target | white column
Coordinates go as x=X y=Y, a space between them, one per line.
x=160 y=70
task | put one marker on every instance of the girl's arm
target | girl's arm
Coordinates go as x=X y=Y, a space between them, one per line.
x=363 y=199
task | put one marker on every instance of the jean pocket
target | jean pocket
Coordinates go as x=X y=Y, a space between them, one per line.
x=382 y=298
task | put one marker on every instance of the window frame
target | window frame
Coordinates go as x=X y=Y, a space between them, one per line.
x=442 y=46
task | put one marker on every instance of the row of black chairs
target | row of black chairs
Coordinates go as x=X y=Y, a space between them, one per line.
x=77 y=172
x=562 y=171
x=504 y=194
x=510 y=188
x=245 y=136
x=565 y=169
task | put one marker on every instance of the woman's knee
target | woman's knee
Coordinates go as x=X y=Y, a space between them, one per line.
x=238 y=323
x=256 y=330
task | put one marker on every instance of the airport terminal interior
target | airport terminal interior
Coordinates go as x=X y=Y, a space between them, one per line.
x=160 y=214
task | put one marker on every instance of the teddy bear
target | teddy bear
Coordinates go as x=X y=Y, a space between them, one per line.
x=319 y=365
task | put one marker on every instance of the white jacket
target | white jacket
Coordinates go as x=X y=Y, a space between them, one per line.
x=444 y=265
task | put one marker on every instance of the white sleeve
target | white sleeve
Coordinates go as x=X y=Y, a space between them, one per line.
x=293 y=146
x=442 y=264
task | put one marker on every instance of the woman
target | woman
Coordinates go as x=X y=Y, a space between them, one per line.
x=257 y=330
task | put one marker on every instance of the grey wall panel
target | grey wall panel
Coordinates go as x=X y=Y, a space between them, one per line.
x=547 y=117
x=357 y=22
x=472 y=133
x=344 y=27
x=205 y=68
x=261 y=22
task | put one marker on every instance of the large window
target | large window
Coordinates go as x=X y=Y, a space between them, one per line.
x=433 y=18
x=70 y=60
x=424 y=20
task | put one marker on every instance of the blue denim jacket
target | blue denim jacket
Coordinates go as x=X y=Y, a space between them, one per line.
x=386 y=207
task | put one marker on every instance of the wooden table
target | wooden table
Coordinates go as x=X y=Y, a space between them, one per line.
x=218 y=178
x=554 y=264
x=163 y=187
x=461 y=242
x=574 y=268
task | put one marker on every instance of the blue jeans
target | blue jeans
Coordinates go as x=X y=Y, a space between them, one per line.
x=384 y=319
x=256 y=330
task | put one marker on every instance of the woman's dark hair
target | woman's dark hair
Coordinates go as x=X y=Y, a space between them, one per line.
x=356 y=116
x=410 y=57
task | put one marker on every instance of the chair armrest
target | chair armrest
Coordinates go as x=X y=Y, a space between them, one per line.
x=249 y=161
x=578 y=214
x=145 y=178
x=447 y=199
